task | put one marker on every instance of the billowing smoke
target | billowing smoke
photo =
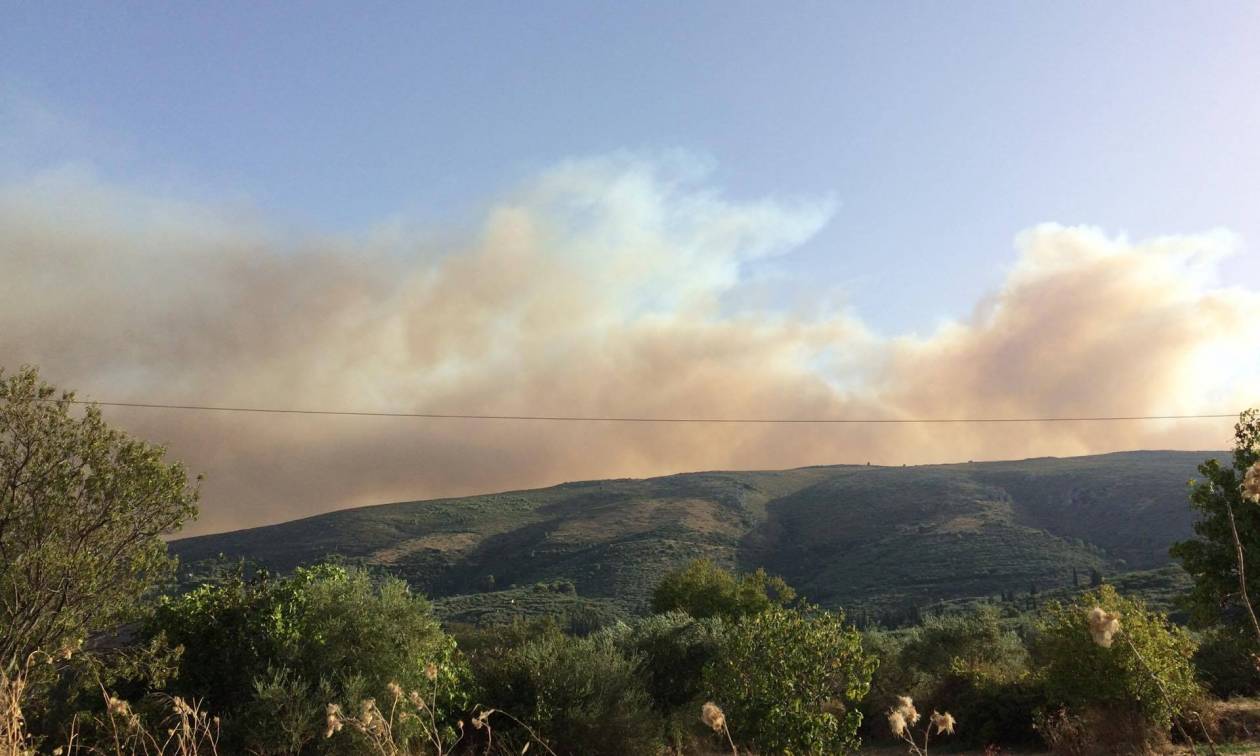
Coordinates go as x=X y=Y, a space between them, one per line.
x=606 y=287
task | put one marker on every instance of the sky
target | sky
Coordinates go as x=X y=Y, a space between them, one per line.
x=719 y=209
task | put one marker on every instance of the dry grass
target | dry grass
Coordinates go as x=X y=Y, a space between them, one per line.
x=445 y=543
x=185 y=731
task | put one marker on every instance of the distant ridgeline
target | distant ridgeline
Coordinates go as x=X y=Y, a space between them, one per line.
x=882 y=542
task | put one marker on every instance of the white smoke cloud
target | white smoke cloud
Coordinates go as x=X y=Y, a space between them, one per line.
x=607 y=287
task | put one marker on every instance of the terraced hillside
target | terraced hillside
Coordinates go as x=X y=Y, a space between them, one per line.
x=854 y=536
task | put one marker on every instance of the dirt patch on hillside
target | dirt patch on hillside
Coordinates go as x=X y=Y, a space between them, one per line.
x=643 y=516
x=440 y=542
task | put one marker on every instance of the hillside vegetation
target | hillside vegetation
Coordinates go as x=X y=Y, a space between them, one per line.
x=866 y=538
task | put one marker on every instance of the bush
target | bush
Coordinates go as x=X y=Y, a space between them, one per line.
x=581 y=695
x=1226 y=664
x=973 y=644
x=1120 y=680
x=991 y=711
x=890 y=679
x=270 y=654
x=702 y=589
x=979 y=670
x=674 y=649
x=84 y=510
x=791 y=681
x=968 y=664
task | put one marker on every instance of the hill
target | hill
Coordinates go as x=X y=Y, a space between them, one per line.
x=868 y=538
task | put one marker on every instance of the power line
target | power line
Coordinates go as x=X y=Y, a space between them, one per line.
x=611 y=419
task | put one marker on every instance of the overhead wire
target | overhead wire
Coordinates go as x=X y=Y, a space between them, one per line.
x=638 y=419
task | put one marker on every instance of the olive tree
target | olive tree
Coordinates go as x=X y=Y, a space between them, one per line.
x=703 y=589
x=791 y=681
x=83 y=507
x=1224 y=558
x=1112 y=653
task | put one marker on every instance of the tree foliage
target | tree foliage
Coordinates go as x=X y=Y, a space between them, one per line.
x=581 y=695
x=972 y=664
x=675 y=648
x=324 y=635
x=1211 y=558
x=790 y=681
x=1147 y=659
x=702 y=589
x=83 y=507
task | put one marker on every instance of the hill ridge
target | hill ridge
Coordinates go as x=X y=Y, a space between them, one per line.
x=852 y=535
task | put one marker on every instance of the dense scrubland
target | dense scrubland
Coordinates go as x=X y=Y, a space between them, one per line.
x=107 y=649
x=875 y=541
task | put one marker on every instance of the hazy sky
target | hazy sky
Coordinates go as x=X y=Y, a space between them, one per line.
x=742 y=208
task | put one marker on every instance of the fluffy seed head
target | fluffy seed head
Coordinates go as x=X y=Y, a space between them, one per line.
x=1251 y=483
x=118 y=707
x=711 y=714
x=905 y=705
x=1103 y=625
x=333 y=720
x=897 y=722
x=944 y=723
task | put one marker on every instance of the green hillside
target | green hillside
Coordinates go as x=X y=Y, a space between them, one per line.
x=864 y=537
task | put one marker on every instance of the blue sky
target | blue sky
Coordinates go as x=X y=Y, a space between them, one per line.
x=940 y=130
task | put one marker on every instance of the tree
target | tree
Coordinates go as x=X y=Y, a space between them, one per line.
x=83 y=507
x=791 y=681
x=1139 y=667
x=702 y=589
x=580 y=696
x=325 y=634
x=1224 y=560
x=675 y=648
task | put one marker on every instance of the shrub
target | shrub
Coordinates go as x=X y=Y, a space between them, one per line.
x=974 y=644
x=1143 y=669
x=791 y=681
x=702 y=589
x=976 y=668
x=581 y=695
x=674 y=649
x=84 y=508
x=991 y=710
x=1211 y=557
x=325 y=635
x=1226 y=662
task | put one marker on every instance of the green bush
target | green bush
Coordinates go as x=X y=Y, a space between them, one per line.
x=791 y=681
x=1225 y=662
x=702 y=589
x=675 y=649
x=890 y=679
x=1126 y=678
x=270 y=654
x=82 y=513
x=580 y=695
x=990 y=711
x=1210 y=557
x=975 y=644
x=968 y=664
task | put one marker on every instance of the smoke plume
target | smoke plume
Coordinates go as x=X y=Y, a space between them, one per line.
x=604 y=287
